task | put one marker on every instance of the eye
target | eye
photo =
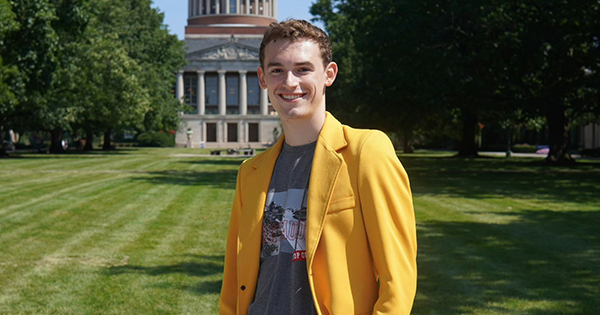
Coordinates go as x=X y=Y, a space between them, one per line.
x=276 y=71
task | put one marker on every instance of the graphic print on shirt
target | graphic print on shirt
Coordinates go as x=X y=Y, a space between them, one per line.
x=284 y=229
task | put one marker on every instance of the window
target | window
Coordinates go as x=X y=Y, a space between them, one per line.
x=211 y=132
x=233 y=95
x=232 y=129
x=211 y=86
x=253 y=94
x=190 y=87
x=232 y=8
x=253 y=90
x=253 y=132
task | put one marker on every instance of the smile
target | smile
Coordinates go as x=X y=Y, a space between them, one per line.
x=291 y=96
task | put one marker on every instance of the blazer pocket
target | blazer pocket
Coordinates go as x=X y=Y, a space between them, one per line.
x=341 y=204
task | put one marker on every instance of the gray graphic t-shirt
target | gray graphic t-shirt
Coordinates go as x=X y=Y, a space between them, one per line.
x=282 y=286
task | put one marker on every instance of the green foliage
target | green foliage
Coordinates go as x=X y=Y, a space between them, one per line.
x=86 y=65
x=524 y=148
x=418 y=64
x=156 y=139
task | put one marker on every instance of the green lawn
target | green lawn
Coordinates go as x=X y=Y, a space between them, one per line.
x=142 y=231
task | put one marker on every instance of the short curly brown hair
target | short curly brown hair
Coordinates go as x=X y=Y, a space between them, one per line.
x=294 y=30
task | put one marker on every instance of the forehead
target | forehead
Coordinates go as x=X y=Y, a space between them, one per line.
x=302 y=50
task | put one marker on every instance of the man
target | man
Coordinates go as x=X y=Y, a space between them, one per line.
x=322 y=222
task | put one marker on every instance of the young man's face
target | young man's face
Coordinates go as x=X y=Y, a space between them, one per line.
x=295 y=78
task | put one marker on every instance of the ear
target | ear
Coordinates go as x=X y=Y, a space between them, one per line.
x=261 y=78
x=330 y=73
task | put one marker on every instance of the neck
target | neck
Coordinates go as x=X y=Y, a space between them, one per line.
x=303 y=131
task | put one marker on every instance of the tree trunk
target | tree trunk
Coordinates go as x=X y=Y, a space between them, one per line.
x=558 y=125
x=89 y=141
x=407 y=135
x=2 y=148
x=468 y=147
x=56 y=141
x=106 y=146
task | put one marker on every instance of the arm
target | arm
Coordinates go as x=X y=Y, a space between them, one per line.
x=388 y=214
x=229 y=290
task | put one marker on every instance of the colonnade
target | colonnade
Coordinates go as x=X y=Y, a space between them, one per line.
x=222 y=93
x=247 y=7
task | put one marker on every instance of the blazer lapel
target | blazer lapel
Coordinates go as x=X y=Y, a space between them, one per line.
x=327 y=163
x=253 y=207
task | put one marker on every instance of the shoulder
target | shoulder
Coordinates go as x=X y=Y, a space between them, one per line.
x=368 y=142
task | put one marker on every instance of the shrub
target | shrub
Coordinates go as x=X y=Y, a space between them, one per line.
x=524 y=148
x=156 y=139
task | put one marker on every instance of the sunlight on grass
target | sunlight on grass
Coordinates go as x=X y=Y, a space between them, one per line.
x=142 y=231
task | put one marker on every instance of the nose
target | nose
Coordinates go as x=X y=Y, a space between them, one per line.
x=290 y=79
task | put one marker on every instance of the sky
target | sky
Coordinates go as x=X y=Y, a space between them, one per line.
x=176 y=12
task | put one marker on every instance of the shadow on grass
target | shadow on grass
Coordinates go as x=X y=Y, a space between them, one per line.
x=544 y=262
x=194 y=266
x=200 y=266
x=496 y=178
x=211 y=161
x=225 y=179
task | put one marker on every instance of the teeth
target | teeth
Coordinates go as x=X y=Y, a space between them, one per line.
x=290 y=97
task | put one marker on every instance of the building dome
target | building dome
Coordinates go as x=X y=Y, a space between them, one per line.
x=230 y=16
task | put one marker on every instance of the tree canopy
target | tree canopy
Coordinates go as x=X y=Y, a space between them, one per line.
x=419 y=65
x=86 y=66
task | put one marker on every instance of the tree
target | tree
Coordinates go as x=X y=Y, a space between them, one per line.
x=479 y=60
x=156 y=53
x=409 y=64
x=552 y=61
x=28 y=55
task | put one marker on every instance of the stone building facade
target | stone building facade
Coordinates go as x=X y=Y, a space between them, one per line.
x=226 y=106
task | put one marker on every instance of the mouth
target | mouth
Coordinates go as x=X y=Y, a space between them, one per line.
x=291 y=97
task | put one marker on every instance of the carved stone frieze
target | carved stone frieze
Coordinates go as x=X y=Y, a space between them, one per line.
x=230 y=51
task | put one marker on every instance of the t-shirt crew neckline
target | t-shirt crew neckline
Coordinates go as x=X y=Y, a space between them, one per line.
x=296 y=149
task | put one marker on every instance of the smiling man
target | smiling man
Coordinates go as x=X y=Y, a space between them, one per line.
x=322 y=222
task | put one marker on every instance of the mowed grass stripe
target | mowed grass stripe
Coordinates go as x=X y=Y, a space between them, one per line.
x=31 y=240
x=160 y=261
x=71 y=187
x=117 y=228
x=57 y=253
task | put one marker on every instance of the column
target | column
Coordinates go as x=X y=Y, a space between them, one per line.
x=221 y=132
x=247 y=6
x=227 y=7
x=207 y=4
x=200 y=4
x=201 y=93
x=264 y=8
x=243 y=93
x=264 y=104
x=238 y=10
x=275 y=9
x=241 y=131
x=218 y=6
x=222 y=93
x=190 y=7
x=179 y=91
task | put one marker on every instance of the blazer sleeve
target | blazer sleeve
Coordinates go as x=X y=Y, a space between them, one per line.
x=386 y=202
x=229 y=290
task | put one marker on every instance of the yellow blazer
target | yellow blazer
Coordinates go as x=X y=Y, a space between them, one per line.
x=360 y=228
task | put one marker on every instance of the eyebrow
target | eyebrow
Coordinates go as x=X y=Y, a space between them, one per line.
x=279 y=64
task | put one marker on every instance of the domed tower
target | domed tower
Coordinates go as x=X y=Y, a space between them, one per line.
x=230 y=16
x=226 y=108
